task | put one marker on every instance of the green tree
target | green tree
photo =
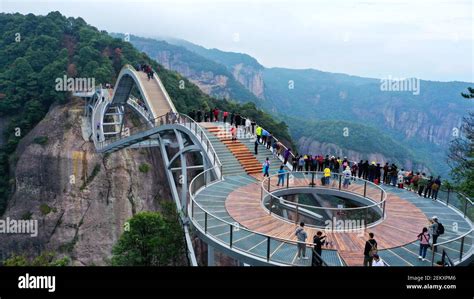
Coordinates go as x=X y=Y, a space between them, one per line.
x=44 y=259
x=151 y=240
x=461 y=153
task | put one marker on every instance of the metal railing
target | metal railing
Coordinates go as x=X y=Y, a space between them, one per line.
x=274 y=139
x=360 y=217
x=458 y=200
x=133 y=101
x=460 y=247
x=267 y=245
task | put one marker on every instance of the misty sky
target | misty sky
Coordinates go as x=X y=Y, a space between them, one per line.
x=428 y=39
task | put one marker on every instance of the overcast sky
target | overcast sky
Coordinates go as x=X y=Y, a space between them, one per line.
x=428 y=39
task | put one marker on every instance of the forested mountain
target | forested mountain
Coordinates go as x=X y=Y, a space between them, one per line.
x=36 y=50
x=422 y=125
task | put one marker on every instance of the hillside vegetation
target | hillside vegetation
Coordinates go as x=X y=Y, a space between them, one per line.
x=36 y=50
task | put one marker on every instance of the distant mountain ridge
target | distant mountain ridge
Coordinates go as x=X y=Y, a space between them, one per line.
x=421 y=124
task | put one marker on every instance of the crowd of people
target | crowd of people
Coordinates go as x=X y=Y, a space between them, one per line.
x=146 y=69
x=427 y=239
x=216 y=115
x=389 y=174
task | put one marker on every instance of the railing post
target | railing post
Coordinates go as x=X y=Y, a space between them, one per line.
x=465 y=208
x=312 y=179
x=287 y=180
x=340 y=179
x=297 y=213
x=381 y=195
x=383 y=211
x=231 y=233
x=332 y=222
x=192 y=208
x=365 y=188
x=366 y=216
x=268 y=248
x=268 y=188
x=462 y=248
x=205 y=222
x=447 y=200
x=214 y=156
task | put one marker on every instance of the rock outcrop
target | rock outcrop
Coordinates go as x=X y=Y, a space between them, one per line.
x=80 y=198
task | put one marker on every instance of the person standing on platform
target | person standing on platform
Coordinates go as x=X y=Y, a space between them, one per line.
x=370 y=250
x=318 y=241
x=424 y=238
x=199 y=116
x=301 y=236
x=225 y=114
x=259 y=134
x=281 y=176
x=256 y=146
x=266 y=168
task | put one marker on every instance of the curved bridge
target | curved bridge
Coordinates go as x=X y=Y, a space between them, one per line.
x=226 y=202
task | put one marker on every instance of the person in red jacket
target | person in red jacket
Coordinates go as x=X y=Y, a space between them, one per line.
x=225 y=116
x=216 y=114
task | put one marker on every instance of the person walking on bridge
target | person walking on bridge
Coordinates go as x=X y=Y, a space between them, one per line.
x=266 y=168
x=216 y=114
x=281 y=176
x=301 y=236
x=424 y=238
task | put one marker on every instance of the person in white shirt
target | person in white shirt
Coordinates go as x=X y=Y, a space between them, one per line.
x=377 y=261
x=248 y=123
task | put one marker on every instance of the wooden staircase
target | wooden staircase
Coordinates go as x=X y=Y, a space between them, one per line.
x=245 y=157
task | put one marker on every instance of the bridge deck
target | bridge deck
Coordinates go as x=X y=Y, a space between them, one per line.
x=157 y=101
x=237 y=200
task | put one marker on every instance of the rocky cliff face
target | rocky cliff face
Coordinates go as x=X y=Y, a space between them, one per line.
x=251 y=78
x=419 y=124
x=313 y=147
x=80 y=198
x=208 y=82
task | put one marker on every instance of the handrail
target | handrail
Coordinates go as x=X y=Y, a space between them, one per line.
x=194 y=203
x=268 y=196
x=323 y=208
x=455 y=239
x=203 y=135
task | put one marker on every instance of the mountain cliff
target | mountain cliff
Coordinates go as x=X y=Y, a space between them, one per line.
x=423 y=123
x=80 y=198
